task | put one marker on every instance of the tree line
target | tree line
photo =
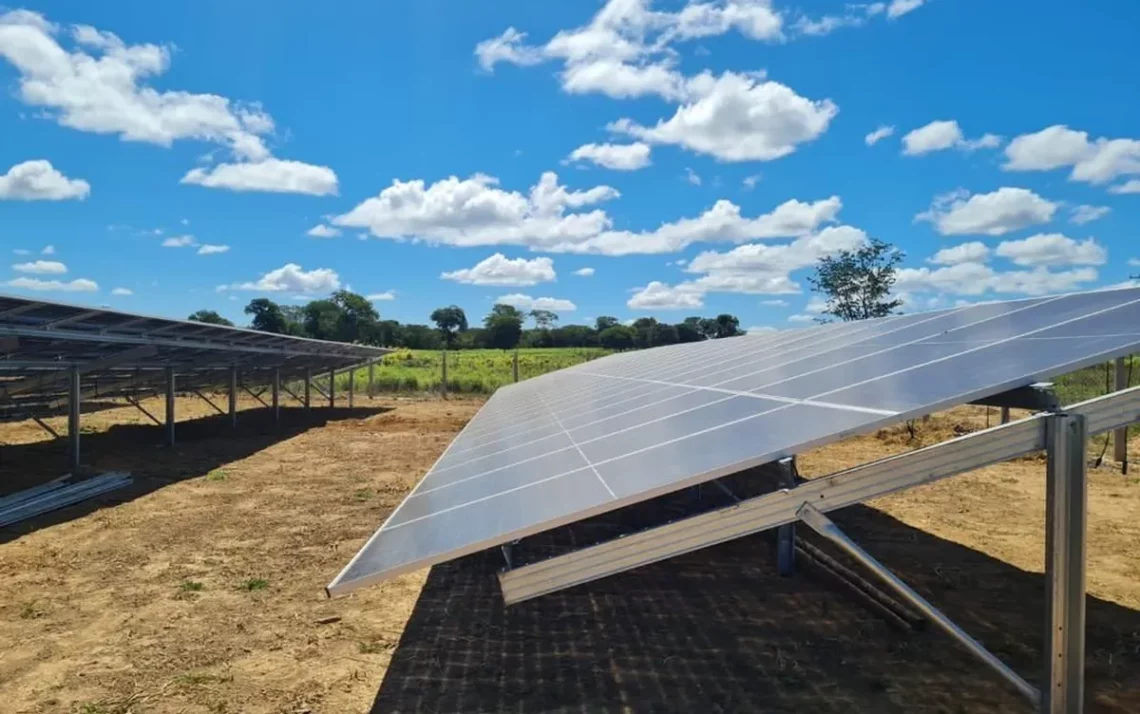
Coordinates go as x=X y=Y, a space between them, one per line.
x=348 y=317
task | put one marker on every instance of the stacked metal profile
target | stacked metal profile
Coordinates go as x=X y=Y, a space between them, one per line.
x=57 y=494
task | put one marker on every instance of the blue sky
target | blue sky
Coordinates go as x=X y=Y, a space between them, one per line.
x=689 y=158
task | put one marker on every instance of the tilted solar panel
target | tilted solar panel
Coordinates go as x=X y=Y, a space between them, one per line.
x=626 y=428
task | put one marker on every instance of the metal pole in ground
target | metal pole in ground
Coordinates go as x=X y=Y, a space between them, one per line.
x=515 y=364
x=786 y=534
x=74 y=408
x=277 y=396
x=371 y=378
x=170 y=406
x=1066 y=500
x=1005 y=415
x=1120 y=436
x=351 y=386
x=332 y=388
x=233 y=396
x=443 y=375
x=308 y=388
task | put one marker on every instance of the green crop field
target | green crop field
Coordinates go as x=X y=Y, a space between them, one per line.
x=468 y=371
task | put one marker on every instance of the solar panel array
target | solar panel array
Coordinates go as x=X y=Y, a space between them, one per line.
x=122 y=353
x=626 y=428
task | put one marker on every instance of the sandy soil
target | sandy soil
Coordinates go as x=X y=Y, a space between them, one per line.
x=201 y=588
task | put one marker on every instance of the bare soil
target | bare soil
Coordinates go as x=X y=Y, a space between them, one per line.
x=200 y=588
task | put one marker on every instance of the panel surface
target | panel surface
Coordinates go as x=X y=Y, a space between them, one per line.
x=626 y=428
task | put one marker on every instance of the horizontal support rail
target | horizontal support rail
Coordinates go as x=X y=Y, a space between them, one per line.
x=828 y=493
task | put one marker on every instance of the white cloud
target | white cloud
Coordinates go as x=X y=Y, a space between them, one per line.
x=526 y=302
x=41 y=267
x=1134 y=262
x=751 y=181
x=476 y=212
x=979 y=279
x=292 y=278
x=973 y=252
x=38 y=180
x=323 y=231
x=186 y=241
x=1057 y=146
x=994 y=214
x=21 y=251
x=659 y=296
x=185 y=221
x=898 y=8
x=79 y=285
x=759 y=329
x=1052 y=249
x=692 y=177
x=619 y=157
x=122 y=291
x=801 y=317
x=878 y=135
x=48 y=250
x=211 y=249
x=507 y=47
x=271 y=175
x=1130 y=186
x=381 y=297
x=1085 y=213
x=827 y=24
x=584 y=272
x=944 y=134
x=737 y=117
x=501 y=270
x=775 y=303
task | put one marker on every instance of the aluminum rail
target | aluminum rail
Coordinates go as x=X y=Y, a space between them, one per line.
x=841 y=489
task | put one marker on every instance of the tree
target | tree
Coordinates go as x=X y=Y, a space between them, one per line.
x=451 y=321
x=857 y=284
x=322 y=319
x=420 y=337
x=689 y=330
x=605 y=322
x=357 y=319
x=503 y=327
x=210 y=318
x=544 y=319
x=267 y=316
x=501 y=310
x=294 y=319
x=617 y=337
x=727 y=325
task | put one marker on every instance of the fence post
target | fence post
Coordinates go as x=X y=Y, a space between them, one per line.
x=515 y=364
x=443 y=375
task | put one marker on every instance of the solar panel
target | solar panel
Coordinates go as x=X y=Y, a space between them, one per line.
x=605 y=434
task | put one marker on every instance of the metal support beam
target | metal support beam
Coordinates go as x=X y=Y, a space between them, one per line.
x=308 y=388
x=134 y=402
x=32 y=384
x=255 y=395
x=786 y=534
x=371 y=379
x=823 y=525
x=198 y=393
x=443 y=375
x=233 y=392
x=1120 y=436
x=170 y=406
x=351 y=386
x=317 y=386
x=74 y=408
x=1038 y=397
x=1065 y=528
x=1005 y=415
x=275 y=388
x=332 y=388
x=515 y=364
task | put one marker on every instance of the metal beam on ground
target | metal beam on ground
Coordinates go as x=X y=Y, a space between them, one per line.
x=74 y=408
x=170 y=406
x=1120 y=436
x=1066 y=498
x=821 y=524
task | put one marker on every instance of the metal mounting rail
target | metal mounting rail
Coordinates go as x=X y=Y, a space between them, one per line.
x=841 y=489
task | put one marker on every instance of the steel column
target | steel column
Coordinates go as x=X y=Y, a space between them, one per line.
x=332 y=388
x=371 y=378
x=351 y=386
x=276 y=394
x=823 y=525
x=74 y=407
x=1120 y=436
x=233 y=396
x=170 y=406
x=443 y=375
x=786 y=534
x=1005 y=415
x=515 y=364
x=308 y=388
x=1065 y=515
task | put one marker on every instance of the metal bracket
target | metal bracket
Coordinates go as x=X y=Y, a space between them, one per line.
x=1038 y=397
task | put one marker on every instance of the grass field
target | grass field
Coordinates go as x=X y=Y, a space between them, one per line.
x=468 y=371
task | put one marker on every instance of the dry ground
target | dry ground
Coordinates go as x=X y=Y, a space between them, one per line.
x=200 y=589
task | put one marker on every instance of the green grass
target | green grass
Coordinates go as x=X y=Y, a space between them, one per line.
x=191 y=586
x=468 y=371
x=216 y=475
x=255 y=584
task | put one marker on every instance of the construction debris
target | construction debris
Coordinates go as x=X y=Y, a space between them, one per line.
x=59 y=493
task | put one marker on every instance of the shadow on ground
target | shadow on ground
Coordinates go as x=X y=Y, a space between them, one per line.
x=718 y=631
x=202 y=445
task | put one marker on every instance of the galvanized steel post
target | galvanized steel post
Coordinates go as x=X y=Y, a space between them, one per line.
x=443 y=375
x=233 y=396
x=276 y=396
x=515 y=364
x=332 y=388
x=170 y=406
x=308 y=388
x=74 y=408
x=786 y=534
x=1065 y=526
x=1120 y=436
x=351 y=386
x=371 y=378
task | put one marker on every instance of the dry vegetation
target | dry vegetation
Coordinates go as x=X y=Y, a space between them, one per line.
x=201 y=589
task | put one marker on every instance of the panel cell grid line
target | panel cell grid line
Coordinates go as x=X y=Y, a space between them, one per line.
x=623 y=429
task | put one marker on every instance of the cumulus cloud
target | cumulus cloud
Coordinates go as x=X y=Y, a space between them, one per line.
x=994 y=214
x=507 y=47
x=1052 y=249
x=619 y=157
x=323 y=231
x=186 y=241
x=973 y=252
x=211 y=249
x=1085 y=213
x=38 y=180
x=692 y=176
x=79 y=285
x=48 y=250
x=1130 y=186
x=944 y=134
x=979 y=279
x=898 y=8
x=526 y=302
x=122 y=292
x=381 y=297
x=1098 y=162
x=97 y=83
x=291 y=278
x=477 y=212
x=659 y=296
x=878 y=135
x=41 y=267
x=269 y=175
x=775 y=303
x=584 y=272
x=501 y=270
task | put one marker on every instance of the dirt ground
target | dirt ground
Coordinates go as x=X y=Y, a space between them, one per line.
x=200 y=588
